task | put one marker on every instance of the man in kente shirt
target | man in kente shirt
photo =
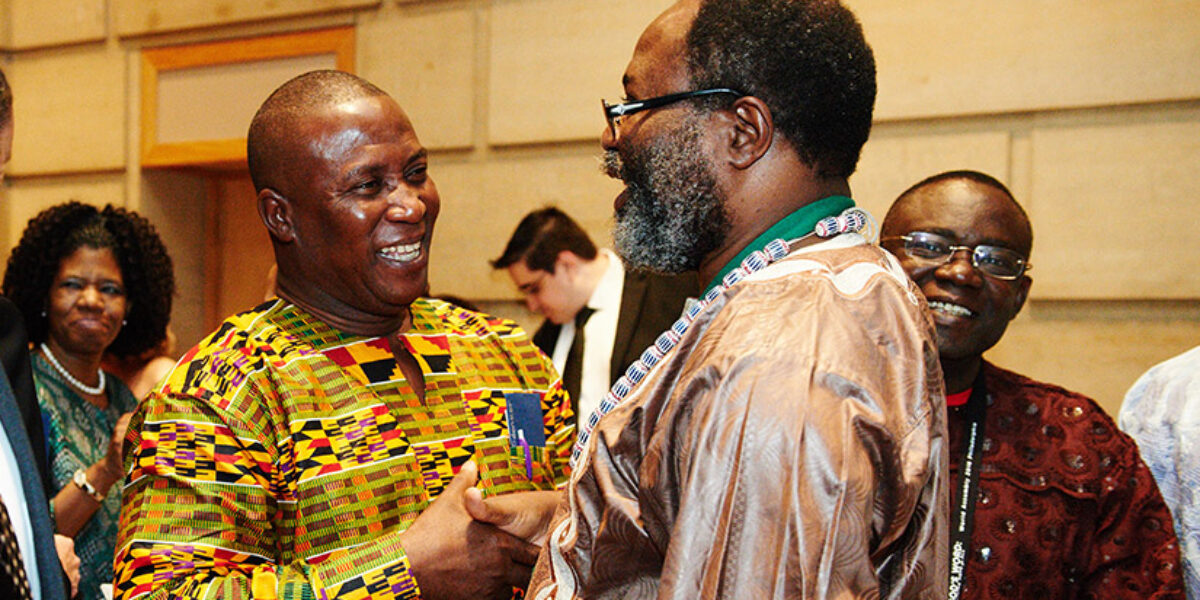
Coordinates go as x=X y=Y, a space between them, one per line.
x=309 y=447
x=785 y=438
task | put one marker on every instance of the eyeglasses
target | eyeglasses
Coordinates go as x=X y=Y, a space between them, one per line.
x=932 y=249
x=614 y=112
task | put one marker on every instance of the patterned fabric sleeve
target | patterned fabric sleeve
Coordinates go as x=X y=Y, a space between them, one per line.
x=560 y=433
x=796 y=489
x=556 y=405
x=265 y=469
x=1135 y=549
x=1162 y=412
x=201 y=518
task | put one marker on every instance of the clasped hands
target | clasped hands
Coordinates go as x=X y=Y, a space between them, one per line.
x=464 y=546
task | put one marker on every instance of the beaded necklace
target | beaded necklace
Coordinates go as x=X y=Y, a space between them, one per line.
x=93 y=391
x=850 y=220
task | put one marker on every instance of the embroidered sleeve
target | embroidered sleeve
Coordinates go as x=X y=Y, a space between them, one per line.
x=1135 y=551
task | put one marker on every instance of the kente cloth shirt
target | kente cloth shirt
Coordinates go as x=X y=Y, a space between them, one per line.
x=1162 y=412
x=1066 y=508
x=283 y=459
x=77 y=433
x=790 y=446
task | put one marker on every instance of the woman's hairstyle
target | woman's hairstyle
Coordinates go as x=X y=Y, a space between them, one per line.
x=58 y=232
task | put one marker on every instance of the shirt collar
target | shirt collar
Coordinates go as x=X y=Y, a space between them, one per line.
x=798 y=224
x=607 y=295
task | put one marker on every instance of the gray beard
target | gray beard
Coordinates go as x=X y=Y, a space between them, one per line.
x=673 y=215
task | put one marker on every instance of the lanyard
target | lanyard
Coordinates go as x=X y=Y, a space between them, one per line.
x=968 y=485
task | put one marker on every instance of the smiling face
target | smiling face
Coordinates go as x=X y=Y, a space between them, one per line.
x=86 y=304
x=971 y=310
x=362 y=210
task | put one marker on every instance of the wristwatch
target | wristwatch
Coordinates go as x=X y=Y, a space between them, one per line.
x=80 y=479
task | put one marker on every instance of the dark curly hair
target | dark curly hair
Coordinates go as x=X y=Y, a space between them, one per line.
x=58 y=232
x=807 y=59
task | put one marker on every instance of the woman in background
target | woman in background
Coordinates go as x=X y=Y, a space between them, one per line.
x=88 y=280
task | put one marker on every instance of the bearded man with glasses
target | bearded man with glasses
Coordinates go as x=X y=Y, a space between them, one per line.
x=785 y=437
x=1049 y=499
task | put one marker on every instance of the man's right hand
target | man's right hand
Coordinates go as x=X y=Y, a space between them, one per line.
x=454 y=556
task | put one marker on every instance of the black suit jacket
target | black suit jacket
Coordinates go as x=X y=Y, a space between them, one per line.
x=22 y=422
x=650 y=303
x=14 y=354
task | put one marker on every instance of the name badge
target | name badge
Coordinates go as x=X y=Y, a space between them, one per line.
x=526 y=430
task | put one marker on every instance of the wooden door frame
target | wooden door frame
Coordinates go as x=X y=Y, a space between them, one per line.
x=338 y=41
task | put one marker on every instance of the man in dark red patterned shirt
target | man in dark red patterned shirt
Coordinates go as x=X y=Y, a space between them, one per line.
x=1049 y=498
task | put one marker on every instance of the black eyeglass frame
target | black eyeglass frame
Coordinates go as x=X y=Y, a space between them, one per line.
x=1022 y=262
x=612 y=112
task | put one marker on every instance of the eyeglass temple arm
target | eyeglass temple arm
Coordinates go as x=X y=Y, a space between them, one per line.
x=616 y=110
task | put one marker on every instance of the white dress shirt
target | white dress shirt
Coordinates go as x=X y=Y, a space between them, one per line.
x=13 y=495
x=600 y=334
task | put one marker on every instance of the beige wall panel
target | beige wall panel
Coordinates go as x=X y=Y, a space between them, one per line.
x=137 y=17
x=948 y=58
x=176 y=203
x=895 y=158
x=482 y=203
x=552 y=61
x=73 y=21
x=25 y=198
x=1097 y=358
x=426 y=61
x=243 y=254
x=217 y=102
x=70 y=111
x=1114 y=209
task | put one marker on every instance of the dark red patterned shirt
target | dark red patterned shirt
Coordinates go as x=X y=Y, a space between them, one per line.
x=1067 y=508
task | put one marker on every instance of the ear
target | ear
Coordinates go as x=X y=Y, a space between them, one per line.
x=751 y=131
x=566 y=260
x=276 y=213
x=1022 y=294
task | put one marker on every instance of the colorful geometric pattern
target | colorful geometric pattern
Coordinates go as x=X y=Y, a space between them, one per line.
x=282 y=454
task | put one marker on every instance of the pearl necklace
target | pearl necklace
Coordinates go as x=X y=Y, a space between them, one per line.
x=93 y=391
x=851 y=220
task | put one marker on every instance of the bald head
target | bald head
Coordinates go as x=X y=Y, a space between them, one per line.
x=274 y=127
